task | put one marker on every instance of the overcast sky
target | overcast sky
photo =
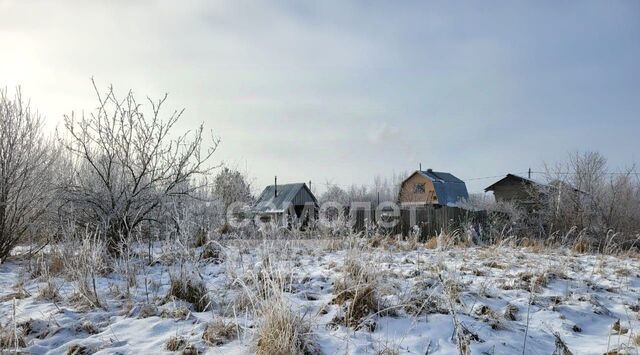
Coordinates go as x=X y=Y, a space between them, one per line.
x=342 y=91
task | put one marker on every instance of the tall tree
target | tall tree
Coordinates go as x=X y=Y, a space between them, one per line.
x=25 y=161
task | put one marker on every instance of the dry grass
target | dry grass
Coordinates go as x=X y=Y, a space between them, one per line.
x=189 y=290
x=81 y=301
x=147 y=310
x=48 y=264
x=175 y=343
x=190 y=350
x=76 y=349
x=200 y=238
x=358 y=291
x=281 y=331
x=431 y=243
x=49 y=291
x=9 y=340
x=87 y=327
x=581 y=246
x=511 y=312
x=618 y=328
x=179 y=313
x=219 y=332
x=212 y=252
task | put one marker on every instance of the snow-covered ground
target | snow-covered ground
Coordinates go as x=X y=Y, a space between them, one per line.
x=420 y=295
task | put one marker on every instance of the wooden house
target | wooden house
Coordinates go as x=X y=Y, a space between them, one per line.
x=286 y=203
x=428 y=187
x=517 y=189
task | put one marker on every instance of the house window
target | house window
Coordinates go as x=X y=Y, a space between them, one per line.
x=418 y=189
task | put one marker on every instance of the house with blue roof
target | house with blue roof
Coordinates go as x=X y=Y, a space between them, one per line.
x=428 y=187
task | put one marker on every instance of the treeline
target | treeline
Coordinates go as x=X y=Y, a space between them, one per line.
x=125 y=169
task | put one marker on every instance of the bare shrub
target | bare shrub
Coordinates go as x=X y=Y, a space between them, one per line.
x=281 y=331
x=128 y=164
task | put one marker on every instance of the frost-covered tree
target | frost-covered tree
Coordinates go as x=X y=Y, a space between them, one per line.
x=128 y=162
x=26 y=158
x=231 y=186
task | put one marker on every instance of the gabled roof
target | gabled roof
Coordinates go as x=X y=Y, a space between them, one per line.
x=523 y=180
x=440 y=176
x=449 y=189
x=269 y=202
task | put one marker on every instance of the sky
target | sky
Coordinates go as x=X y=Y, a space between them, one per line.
x=341 y=91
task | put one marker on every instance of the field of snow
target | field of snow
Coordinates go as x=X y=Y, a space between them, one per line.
x=479 y=300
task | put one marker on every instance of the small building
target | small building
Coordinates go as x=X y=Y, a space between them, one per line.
x=527 y=192
x=286 y=203
x=428 y=187
x=517 y=189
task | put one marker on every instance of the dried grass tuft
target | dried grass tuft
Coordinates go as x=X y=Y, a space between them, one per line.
x=281 y=331
x=9 y=339
x=219 y=332
x=175 y=343
x=49 y=291
x=213 y=252
x=511 y=312
x=147 y=310
x=189 y=290
x=77 y=349
x=358 y=291
x=431 y=243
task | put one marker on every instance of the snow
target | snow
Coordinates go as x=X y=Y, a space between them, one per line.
x=579 y=297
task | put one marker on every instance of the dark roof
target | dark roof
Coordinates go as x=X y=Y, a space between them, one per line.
x=449 y=189
x=523 y=180
x=440 y=176
x=288 y=194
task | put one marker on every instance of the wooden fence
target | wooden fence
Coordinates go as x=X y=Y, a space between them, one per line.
x=430 y=220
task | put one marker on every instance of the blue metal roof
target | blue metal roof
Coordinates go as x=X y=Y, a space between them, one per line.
x=449 y=189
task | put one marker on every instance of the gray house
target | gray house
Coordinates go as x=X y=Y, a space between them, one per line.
x=285 y=203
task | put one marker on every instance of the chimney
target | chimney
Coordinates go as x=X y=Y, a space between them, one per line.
x=420 y=166
x=276 y=186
